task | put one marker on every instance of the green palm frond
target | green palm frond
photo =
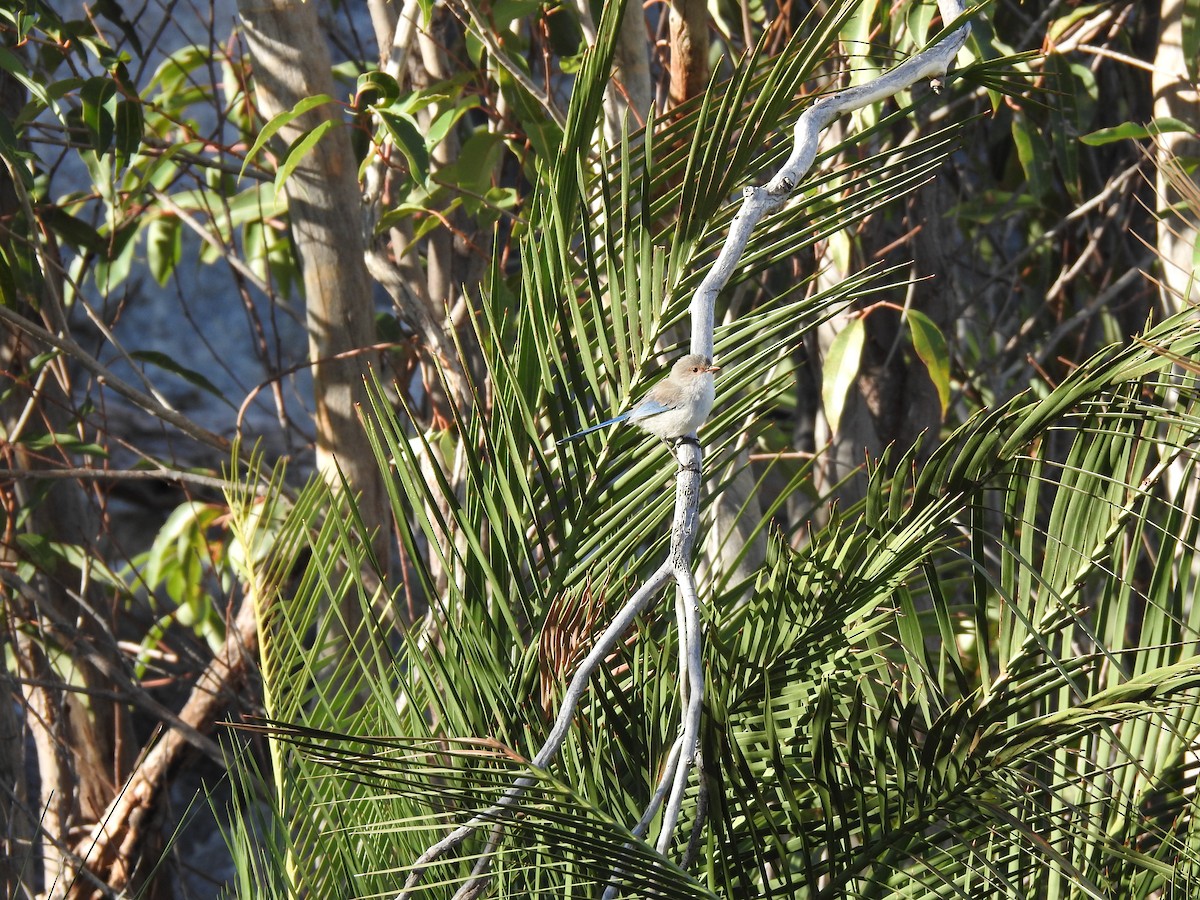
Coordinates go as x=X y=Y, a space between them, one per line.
x=979 y=681
x=1056 y=755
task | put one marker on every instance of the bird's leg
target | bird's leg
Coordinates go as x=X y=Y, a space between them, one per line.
x=683 y=440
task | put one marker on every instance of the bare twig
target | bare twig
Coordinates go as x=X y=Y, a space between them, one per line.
x=666 y=779
x=161 y=473
x=109 y=844
x=105 y=376
x=197 y=227
x=475 y=21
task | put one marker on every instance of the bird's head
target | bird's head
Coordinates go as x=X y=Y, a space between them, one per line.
x=693 y=366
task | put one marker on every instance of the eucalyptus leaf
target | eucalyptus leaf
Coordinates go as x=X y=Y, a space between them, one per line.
x=1134 y=131
x=298 y=152
x=163 y=361
x=407 y=138
x=930 y=345
x=281 y=120
x=840 y=369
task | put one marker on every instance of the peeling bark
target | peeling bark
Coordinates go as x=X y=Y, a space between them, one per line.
x=688 y=21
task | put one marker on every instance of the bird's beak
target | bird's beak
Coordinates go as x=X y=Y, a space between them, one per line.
x=713 y=369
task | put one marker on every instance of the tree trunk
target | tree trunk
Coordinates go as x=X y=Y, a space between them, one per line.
x=291 y=62
x=1174 y=96
x=688 y=21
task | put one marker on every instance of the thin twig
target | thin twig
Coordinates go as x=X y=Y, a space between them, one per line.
x=129 y=815
x=86 y=474
x=665 y=780
x=105 y=376
x=196 y=227
x=475 y=21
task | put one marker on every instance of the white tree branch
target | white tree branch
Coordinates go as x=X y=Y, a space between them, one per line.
x=758 y=202
x=666 y=779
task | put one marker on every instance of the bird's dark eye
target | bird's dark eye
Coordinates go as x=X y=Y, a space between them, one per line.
x=695 y=368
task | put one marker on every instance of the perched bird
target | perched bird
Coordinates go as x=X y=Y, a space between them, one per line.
x=676 y=406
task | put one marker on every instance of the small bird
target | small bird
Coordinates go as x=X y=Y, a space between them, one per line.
x=676 y=406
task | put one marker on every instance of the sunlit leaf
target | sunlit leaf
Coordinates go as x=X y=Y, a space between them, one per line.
x=1135 y=131
x=298 y=152
x=930 y=345
x=841 y=369
x=95 y=96
x=375 y=87
x=281 y=120
x=407 y=138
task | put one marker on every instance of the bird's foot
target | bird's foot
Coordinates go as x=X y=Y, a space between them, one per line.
x=687 y=467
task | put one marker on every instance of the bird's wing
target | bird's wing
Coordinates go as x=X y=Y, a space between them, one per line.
x=648 y=408
x=613 y=421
